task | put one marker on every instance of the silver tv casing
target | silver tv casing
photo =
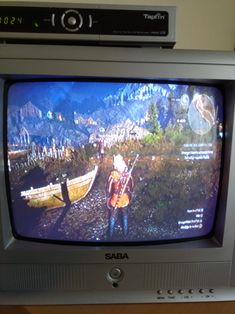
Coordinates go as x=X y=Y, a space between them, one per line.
x=190 y=271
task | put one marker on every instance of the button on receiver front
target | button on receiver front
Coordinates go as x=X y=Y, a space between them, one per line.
x=71 y=20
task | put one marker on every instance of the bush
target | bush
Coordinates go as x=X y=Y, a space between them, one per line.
x=152 y=139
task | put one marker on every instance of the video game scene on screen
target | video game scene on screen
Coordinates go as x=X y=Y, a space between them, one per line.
x=113 y=161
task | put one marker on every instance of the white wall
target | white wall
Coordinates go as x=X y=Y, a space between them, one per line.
x=201 y=24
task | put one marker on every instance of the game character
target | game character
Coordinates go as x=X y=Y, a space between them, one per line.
x=101 y=147
x=119 y=192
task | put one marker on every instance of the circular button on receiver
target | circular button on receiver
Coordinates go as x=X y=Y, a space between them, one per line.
x=71 y=20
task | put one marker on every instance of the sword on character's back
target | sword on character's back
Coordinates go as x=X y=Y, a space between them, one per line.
x=133 y=165
x=127 y=178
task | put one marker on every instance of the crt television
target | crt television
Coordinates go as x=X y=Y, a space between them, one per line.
x=117 y=175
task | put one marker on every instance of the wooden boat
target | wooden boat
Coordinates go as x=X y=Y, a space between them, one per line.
x=18 y=153
x=50 y=196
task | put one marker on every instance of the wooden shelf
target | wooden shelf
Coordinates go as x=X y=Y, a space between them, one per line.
x=179 y=308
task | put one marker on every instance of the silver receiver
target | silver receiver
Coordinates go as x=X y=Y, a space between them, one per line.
x=89 y=24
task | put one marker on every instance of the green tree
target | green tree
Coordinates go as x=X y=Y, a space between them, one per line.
x=153 y=118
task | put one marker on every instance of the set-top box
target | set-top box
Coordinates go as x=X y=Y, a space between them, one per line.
x=104 y=24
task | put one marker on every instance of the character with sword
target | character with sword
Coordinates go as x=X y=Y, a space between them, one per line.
x=119 y=192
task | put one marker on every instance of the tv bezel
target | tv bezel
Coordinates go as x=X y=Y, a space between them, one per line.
x=19 y=62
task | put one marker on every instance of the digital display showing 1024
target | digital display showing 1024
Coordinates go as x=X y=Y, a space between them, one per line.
x=19 y=20
x=113 y=161
x=11 y=20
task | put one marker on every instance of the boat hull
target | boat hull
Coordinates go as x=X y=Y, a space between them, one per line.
x=51 y=196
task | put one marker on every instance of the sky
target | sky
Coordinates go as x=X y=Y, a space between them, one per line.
x=54 y=92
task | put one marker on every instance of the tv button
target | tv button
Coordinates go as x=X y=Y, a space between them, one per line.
x=116 y=273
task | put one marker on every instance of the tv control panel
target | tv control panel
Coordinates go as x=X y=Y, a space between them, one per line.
x=116 y=275
x=129 y=24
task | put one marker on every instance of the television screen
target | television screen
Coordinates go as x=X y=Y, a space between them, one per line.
x=113 y=161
